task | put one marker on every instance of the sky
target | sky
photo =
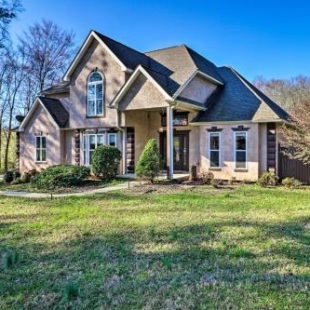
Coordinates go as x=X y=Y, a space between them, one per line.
x=257 y=38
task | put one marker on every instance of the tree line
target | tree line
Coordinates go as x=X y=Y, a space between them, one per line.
x=28 y=65
x=293 y=95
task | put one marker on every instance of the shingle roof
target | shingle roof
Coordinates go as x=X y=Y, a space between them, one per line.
x=239 y=100
x=61 y=87
x=57 y=111
x=127 y=55
x=182 y=62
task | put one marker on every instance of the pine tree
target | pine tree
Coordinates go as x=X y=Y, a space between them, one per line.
x=148 y=166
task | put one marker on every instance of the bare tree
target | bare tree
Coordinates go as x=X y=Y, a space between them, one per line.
x=4 y=68
x=288 y=93
x=8 y=11
x=49 y=50
x=296 y=134
x=15 y=75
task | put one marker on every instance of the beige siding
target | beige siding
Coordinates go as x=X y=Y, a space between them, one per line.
x=95 y=57
x=198 y=89
x=227 y=153
x=143 y=94
x=40 y=122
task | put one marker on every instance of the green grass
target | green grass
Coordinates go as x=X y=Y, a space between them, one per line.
x=194 y=249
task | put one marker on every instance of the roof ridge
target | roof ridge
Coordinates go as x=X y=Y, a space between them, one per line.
x=148 y=68
x=165 y=48
x=245 y=82
x=103 y=35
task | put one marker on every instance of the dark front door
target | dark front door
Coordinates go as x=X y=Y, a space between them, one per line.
x=180 y=149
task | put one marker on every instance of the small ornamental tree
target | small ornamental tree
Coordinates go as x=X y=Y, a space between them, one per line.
x=148 y=166
x=105 y=162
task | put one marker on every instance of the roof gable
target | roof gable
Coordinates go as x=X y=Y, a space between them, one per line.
x=121 y=53
x=159 y=81
x=54 y=108
x=237 y=101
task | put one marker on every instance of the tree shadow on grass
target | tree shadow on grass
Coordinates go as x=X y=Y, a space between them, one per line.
x=185 y=267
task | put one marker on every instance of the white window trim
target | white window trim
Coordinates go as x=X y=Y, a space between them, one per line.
x=41 y=150
x=246 y=149
x=220 y=148
x=112 y=134
x=86 y=148
x=103 y=95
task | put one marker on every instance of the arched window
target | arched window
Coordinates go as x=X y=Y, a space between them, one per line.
x=95 y=95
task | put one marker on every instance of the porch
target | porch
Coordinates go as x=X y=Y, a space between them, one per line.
x=171 y=131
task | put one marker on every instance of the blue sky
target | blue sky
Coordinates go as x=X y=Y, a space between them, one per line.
x=258 y=38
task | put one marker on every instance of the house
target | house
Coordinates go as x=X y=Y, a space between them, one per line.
x=200 y=114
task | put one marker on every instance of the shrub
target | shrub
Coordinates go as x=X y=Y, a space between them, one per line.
x=232 y=180
x=206 y=177
x=268 y=179
x=18 y=181
x=291 y=183
x=105 y=162
x=215 y=183
x=148 y=166
x=29 y=174
x=60 y=176
x=8 y=176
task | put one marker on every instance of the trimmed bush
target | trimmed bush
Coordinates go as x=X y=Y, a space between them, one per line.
x=206 y=177
x=105 y=162
x=291 y=183
x=60 y=176
x=268 y=179
x=148 y=166
x=216 y=183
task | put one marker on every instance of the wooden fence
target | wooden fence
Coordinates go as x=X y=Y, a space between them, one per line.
x=293 y=168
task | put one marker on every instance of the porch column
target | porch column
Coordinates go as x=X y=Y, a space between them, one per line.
x=170 y=141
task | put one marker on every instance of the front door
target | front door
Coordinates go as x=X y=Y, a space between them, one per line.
x=180 y=149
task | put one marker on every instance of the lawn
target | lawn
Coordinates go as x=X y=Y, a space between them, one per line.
x=202 y=248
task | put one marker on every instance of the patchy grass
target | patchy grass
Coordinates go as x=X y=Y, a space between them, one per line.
x=193 y=249
x=85 y=186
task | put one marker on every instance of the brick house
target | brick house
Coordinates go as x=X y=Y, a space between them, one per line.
x=200 y=114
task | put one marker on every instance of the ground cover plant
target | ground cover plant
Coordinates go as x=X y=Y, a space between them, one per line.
x=191 y=248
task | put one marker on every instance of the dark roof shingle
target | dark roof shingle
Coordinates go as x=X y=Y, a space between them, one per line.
x=238 y=100
x=57 y=111
x=127 y=55
x=61 y=87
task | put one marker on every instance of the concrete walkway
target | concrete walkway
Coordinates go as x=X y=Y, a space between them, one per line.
x=52 y=195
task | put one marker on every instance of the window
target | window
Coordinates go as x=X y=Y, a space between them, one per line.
x=95 y=95
x=112 y=139
x=40 y=149
x=241 y=150
x=92 y=141
x=214 y=149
